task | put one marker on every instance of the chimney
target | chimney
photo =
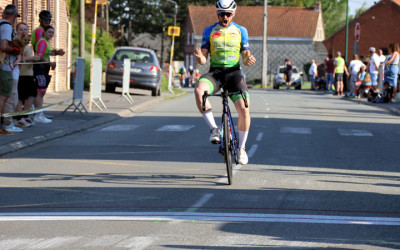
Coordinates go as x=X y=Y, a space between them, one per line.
x=317 y=6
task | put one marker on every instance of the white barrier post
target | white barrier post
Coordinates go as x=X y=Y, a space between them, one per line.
x=126 y=79
x=78 y=86
x=97 y=77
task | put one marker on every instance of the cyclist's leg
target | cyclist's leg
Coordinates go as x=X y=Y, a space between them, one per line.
x=237 y=83
x=205 y=83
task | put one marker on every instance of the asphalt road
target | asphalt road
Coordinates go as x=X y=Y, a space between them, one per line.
x=323 y=172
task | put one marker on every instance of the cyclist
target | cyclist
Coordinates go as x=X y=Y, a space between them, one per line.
x=182 y=76
x=225 y=41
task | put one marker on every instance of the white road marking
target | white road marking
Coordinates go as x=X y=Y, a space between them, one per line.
x=354 y=132
x=252 y=150
x=200 y=202
x=56 y=242
x=266 y=116
x=106 y=240
x=268 y=109
x=296 y=130
x=186 y=216
x=137 y=243
x=115 y=128
x=175 y=128
x=259 y=136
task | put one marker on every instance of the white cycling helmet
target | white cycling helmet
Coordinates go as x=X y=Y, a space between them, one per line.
x=226 y=5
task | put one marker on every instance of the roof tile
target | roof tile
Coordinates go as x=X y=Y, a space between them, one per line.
x=282 y=21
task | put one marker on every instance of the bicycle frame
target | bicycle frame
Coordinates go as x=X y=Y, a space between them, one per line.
x=226 y=110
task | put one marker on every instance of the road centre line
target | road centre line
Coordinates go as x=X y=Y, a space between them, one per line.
x=185 y=216
x=252 y=150
x=259 y=136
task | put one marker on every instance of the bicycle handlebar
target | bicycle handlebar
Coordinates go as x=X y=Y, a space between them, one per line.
x=205 y=95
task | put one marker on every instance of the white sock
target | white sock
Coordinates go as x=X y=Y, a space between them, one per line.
x=209 y=118
x=243 y=138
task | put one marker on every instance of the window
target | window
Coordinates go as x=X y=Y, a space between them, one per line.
x=134 y=55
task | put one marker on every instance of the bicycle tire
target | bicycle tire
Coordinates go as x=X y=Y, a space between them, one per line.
x=228 y=149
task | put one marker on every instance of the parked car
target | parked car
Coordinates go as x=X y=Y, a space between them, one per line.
x=279 y=79
x=145 y=70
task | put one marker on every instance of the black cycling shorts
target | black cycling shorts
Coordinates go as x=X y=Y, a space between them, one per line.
x=231 y=77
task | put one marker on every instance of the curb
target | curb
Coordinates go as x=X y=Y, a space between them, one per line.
x=128 y=112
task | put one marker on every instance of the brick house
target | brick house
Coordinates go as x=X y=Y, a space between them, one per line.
x=379 y=28
x=295 y=33
x=29 y=10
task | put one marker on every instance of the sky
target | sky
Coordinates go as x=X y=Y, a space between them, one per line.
x=356 y=4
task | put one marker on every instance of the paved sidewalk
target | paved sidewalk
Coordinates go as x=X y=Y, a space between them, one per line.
x=71 y=122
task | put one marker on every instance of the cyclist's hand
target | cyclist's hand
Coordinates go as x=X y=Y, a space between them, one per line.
x=250 y=60
x=200 y=55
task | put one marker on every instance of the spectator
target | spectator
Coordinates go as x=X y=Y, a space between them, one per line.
x=26 y=84
x=329 y=70
x=393 y=70
x=339 y=70
x=354 y=68
x=8 y=73
x=41 y=71
x=288 y=73
x=44 y=20
x=374 y=68
x=382 y=58
x=313 y=73
x=361 y=79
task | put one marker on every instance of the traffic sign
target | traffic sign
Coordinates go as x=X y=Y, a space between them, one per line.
x=357 y=32
x=174 y=30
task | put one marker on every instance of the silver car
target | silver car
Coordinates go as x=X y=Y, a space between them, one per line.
x=296 y=79
x=145 y=70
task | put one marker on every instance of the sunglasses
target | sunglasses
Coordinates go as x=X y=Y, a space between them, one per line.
x=222 y=14
x=47 y=20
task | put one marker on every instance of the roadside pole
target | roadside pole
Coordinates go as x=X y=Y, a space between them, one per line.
x=92 y=56
x=172 y=31
x=264 y=76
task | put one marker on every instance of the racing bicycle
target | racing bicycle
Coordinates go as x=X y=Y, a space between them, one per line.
x=229 y=143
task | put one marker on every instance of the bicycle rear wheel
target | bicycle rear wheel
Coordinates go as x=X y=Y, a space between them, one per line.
x=228 y=149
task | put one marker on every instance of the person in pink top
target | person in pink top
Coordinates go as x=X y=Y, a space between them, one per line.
x=41 y=71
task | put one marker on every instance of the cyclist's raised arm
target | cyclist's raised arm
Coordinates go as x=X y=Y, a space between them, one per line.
x=248 y=58
x=201 y=55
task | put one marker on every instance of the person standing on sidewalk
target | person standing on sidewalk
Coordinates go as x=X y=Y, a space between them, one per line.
x=41 y=71
x=45 y=17
x=354 y=68
x=9 y=72
x=26 y=84
x=329 y=70
x=374 y=68
x=393 y=70
x=313 y=73
x=339 y=70
x=288 y=73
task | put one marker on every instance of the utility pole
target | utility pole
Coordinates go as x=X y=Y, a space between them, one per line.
x=264 y=76
x=172 y=48
x=81 y=28
x=347 y=30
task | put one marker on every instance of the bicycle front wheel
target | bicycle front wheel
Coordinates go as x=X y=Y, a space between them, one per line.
x=228 y=149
